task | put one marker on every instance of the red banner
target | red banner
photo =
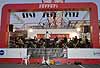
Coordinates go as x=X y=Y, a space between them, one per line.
x=54 y=36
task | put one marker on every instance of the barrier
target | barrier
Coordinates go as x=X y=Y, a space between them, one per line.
x=47 y=52
x=84 y=53
x=50 y=52
x=34 y=52
x=13 y=52
x=70 y=55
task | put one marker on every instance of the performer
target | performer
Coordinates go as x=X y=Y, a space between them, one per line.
x=47 y=39
x=47 y=35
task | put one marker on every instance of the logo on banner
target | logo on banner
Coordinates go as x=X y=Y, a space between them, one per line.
x=2 y=52
x=48 y=6
x=96 y=53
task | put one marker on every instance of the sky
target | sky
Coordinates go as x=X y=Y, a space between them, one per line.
x=3 y=2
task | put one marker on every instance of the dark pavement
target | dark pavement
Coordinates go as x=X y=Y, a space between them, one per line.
x=44 y=66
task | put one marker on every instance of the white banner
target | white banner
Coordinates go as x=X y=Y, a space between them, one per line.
x=13 y=52
x=78 y=53
x=85 y=53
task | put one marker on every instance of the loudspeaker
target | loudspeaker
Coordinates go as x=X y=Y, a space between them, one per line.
x=11 y=28
x=54 y=14
x=86 y=29
x=77 y=63
x=51 y=14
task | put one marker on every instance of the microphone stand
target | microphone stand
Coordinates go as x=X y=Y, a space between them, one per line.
x=45 y=64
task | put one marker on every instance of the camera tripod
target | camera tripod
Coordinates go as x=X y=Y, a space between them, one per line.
x=44 y=61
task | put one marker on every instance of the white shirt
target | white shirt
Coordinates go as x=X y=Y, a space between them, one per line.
x=47 y=36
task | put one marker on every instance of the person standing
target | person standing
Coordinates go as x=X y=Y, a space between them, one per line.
x=47 y=39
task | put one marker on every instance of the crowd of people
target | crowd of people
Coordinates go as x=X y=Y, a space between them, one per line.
x=21 y=42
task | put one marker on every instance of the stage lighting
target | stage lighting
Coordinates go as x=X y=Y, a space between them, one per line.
x=30 y=14
x=26 y=15
x=70 y=14
x=73 y=14
x=66 y=14
x=33 y=14
x=23 y=14
x=77 y=14
x=30 y=30
x=11 y=27
x=14 y=30
x=78 y=29
x=86 y=29
x=43 y=15
x=47 y=14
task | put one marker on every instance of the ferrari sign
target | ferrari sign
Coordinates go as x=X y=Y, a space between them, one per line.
x=48 y=6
